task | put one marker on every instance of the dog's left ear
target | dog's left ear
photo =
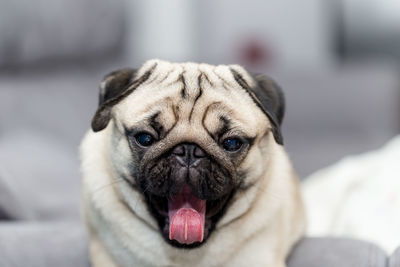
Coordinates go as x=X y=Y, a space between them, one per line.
x=112 y=88
x=272 y=100
x=269 y=98
x=270 y=95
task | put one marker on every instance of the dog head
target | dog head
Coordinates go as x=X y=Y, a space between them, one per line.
x=189 y=137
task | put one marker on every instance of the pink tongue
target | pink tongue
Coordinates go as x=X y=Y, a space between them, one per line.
x=186 y=217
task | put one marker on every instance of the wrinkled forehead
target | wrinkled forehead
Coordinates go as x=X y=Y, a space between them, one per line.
x=191 y=94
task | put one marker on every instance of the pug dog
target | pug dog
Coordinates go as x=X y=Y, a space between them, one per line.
x=185 y=166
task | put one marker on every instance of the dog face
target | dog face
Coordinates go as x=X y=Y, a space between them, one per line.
x=189 y=137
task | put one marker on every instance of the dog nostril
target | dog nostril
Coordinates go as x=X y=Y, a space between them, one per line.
x=199 y=153
x=188 y=154
x=179 y=150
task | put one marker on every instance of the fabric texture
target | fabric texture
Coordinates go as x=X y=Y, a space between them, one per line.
x=10 y=206
x=65 y=244
x=43 y=244
x=336 y=252
x=42 y=119
x=394 y=260
x=358 y=197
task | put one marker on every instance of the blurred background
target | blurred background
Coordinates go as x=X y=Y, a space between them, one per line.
x=337 y=61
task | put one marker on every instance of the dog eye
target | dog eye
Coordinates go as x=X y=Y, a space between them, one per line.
x=144 y=139
x=232 y=144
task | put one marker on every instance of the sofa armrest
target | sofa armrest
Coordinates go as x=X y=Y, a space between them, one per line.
x=49 y=244
x=335 y=252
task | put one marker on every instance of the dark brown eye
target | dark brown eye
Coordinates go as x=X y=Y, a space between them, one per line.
x=232 y=144
x=144 y=139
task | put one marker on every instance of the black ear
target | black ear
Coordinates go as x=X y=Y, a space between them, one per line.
x=112 y=88
x=269 y=98
x=270 y=95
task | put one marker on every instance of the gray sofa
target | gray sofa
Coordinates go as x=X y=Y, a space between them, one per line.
x=42 y=118
x=48 y=93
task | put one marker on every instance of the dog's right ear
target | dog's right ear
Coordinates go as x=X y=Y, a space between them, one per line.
x=112 y=88
x=115 y=87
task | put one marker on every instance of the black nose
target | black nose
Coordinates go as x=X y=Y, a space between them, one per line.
x=188 y=154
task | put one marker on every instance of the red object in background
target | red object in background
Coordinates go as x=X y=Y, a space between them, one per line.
x=254 y=52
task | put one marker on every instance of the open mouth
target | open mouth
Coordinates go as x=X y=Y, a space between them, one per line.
x=185 y=220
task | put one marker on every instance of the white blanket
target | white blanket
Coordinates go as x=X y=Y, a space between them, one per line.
x=358 y=197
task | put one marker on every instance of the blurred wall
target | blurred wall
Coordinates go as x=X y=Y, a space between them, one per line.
x=256 y=33
x=293 y=33
x=59 y=32
x=370 y=29
x=162 y=29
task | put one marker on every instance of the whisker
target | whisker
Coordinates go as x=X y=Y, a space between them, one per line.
x=107 y=185
x=138 y=197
